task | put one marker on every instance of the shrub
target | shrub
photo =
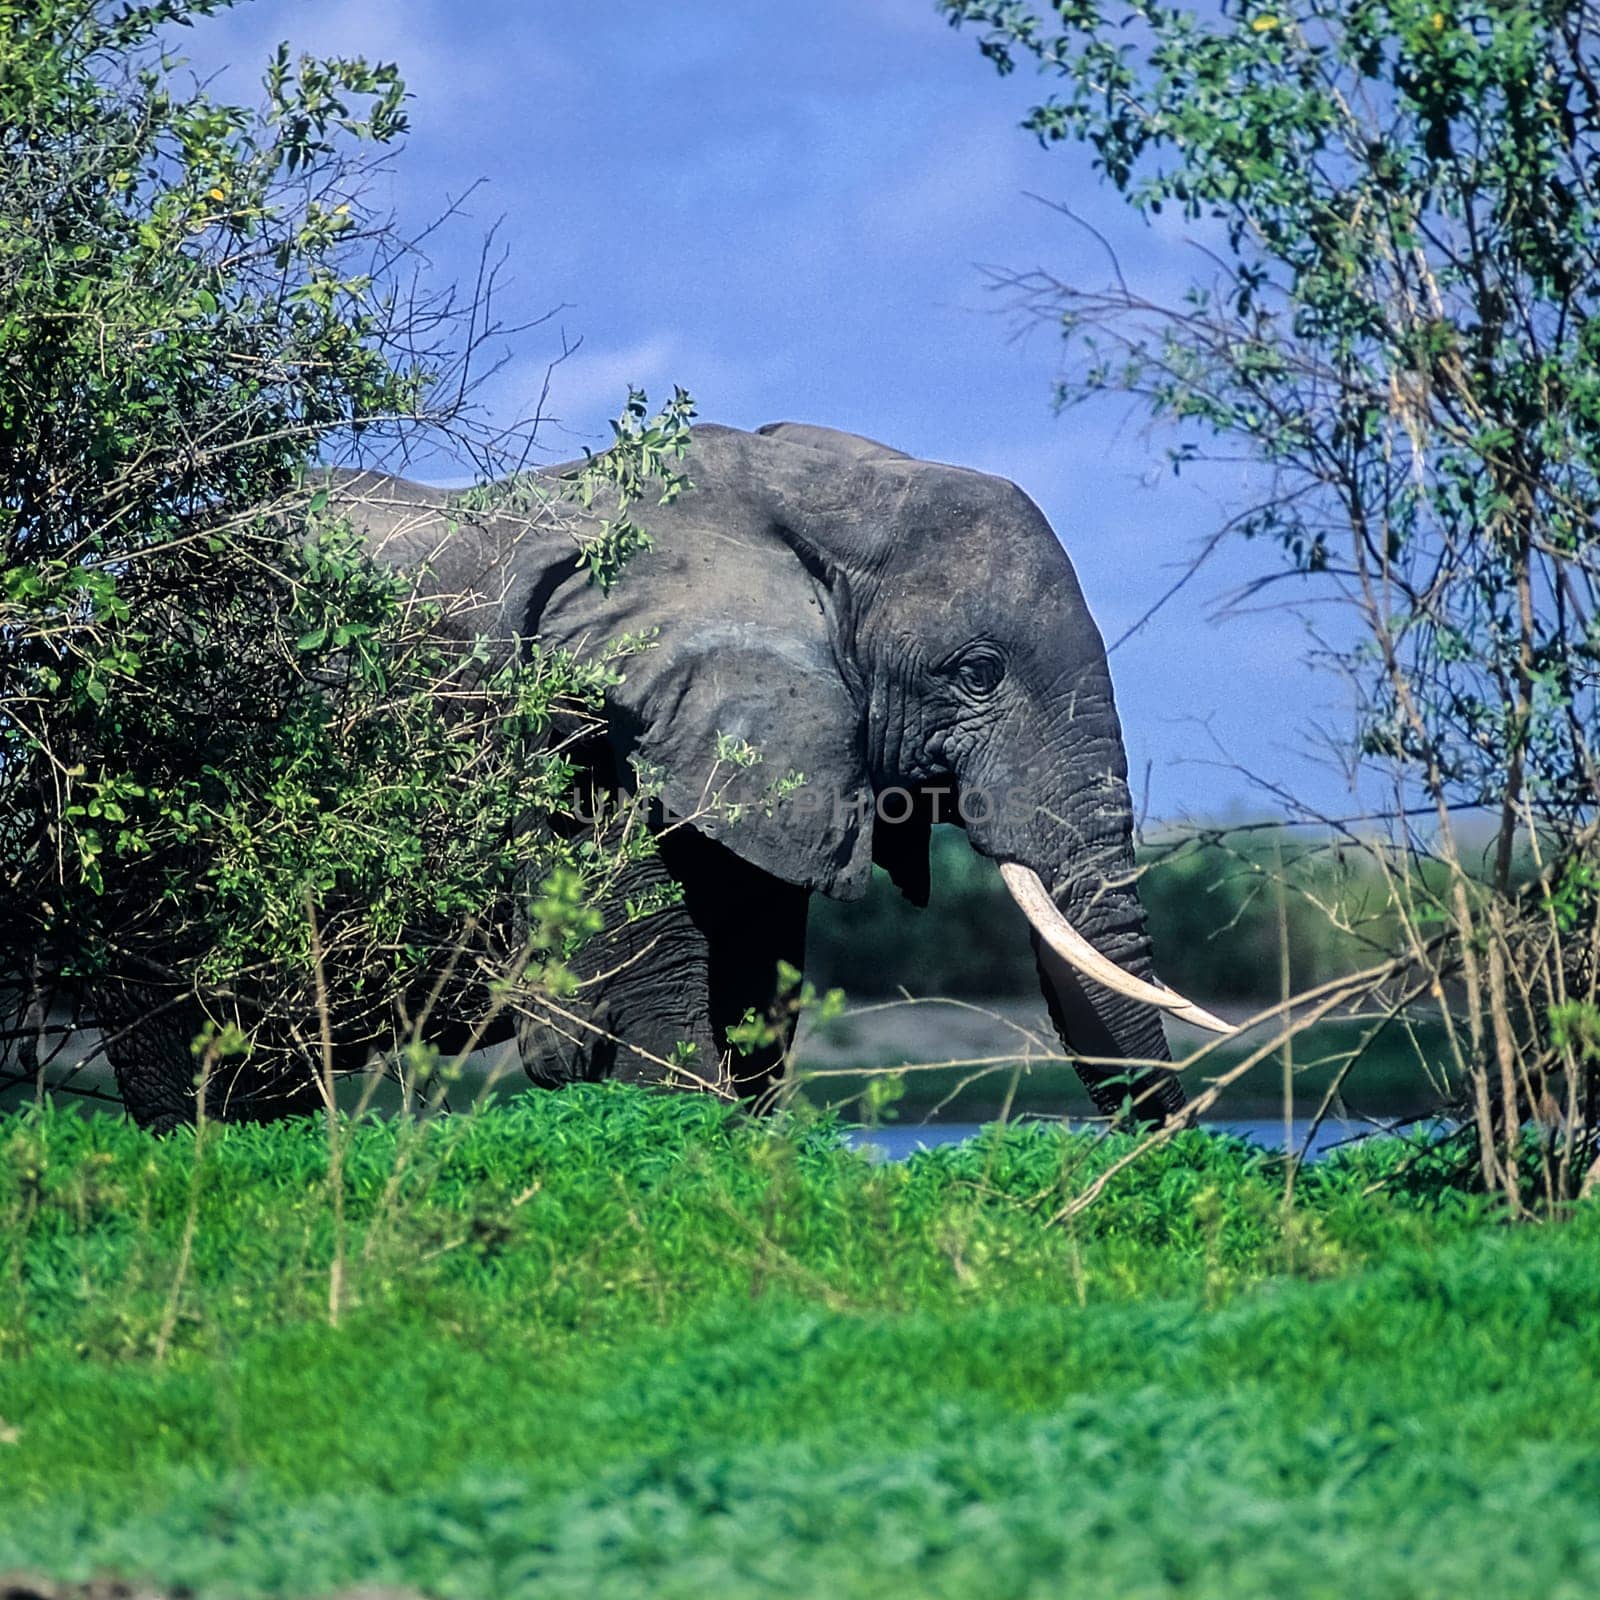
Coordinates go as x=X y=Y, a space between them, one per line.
x=246 y=775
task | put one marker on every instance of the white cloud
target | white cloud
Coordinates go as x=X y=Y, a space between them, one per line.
x=444 y=64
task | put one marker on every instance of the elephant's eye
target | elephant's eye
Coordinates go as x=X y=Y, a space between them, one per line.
x=979 y=669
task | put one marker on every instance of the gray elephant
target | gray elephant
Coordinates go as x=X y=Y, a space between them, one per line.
x=892 y=630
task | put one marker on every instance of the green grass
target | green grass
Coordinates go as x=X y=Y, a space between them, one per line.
x=604 y=1343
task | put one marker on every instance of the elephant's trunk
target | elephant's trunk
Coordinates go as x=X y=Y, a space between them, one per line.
x=1099 y=983
x=1093 y=952
x=1028 y=890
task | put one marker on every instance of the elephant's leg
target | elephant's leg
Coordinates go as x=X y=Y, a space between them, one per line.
x=683 y=975
x=644 y=991
x=150 y=1027
x=750 y=921
x=148 y=1046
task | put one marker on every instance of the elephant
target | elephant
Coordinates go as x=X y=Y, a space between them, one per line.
x=873 y=625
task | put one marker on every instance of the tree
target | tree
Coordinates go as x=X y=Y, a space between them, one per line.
x=242 y=769
x=1401 y=329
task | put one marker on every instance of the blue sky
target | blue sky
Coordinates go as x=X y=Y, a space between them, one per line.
x=786 y=206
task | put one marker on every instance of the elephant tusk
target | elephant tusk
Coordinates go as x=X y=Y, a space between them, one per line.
x=1028 y=890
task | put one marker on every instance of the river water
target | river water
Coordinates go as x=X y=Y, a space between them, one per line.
x=895 y=1141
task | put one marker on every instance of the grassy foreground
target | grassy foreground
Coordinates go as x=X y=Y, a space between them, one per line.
x=606 y=1344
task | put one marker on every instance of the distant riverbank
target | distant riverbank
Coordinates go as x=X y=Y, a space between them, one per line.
x=965 y=1060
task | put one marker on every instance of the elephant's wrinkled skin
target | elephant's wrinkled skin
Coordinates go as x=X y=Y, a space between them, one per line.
x=868 y=620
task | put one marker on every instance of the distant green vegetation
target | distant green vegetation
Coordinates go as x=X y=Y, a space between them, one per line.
x=608 y=1344
x=1213 y=909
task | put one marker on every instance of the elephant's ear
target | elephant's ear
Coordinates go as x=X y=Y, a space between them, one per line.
x=750 y=652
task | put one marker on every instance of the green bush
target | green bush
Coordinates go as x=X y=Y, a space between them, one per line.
x=243 y=770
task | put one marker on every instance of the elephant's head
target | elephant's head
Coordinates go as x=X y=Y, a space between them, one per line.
x=889 y=627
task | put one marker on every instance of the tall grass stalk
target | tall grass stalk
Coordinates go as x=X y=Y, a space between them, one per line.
x=335 y=1133
x=180 y=1275
x=1285 y=994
